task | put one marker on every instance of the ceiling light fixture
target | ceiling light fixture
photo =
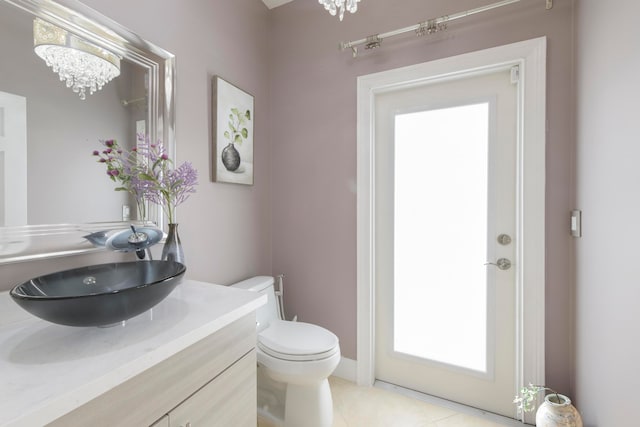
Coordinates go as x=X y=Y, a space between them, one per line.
x=81 y=65
x=335 y=6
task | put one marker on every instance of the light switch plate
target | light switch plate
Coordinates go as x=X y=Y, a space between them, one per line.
x=576 y=223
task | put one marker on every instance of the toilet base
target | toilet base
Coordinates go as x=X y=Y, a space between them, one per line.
x=291 y=405
x=308 y=405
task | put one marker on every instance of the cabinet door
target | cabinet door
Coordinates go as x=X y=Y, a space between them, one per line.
x=228 y=400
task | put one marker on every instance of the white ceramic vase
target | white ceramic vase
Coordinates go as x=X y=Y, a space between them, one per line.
x=557 y=412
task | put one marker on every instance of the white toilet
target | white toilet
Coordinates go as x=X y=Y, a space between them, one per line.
x=294 y=361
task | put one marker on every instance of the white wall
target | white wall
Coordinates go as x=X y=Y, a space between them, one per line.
x=608 y=192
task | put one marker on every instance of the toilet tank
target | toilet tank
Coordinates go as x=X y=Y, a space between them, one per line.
x=265 y=286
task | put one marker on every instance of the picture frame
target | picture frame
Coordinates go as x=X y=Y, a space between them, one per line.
x=232 y=145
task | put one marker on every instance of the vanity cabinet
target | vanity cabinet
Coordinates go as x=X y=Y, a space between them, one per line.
x=210 y=383
x=228 y=400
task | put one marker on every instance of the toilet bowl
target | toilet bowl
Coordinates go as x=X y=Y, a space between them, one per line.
x=294 y=361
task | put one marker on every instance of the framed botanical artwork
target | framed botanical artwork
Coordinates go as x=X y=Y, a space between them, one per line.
x=232 y=133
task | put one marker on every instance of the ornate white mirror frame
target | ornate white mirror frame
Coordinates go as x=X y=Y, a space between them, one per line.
x=22 y=243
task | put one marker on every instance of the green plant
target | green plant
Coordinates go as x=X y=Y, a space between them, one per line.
x=528 y=397
x=237 y=131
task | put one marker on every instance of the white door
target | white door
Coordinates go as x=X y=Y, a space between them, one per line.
x=13 y=159
x=445 y=209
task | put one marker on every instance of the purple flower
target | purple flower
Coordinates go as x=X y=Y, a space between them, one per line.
x=115 y=159
x=147 y=172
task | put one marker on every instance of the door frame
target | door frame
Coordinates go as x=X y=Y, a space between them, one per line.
x=14 y=180
x=530 y=57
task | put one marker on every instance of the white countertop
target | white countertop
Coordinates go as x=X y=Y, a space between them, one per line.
x=48 y=370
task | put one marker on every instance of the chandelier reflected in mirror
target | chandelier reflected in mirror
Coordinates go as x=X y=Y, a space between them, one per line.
x=83 y=66
x=339 y=6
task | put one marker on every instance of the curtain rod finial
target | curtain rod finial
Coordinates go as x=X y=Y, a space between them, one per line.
x=354 y=50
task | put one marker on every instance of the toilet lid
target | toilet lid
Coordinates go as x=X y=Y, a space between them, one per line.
x=297 y=339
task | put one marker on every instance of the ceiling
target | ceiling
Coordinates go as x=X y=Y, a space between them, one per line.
x=275 y=3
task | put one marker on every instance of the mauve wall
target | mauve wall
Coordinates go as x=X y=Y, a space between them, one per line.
x=225 y=228
x=608 y=173
x=313 y=133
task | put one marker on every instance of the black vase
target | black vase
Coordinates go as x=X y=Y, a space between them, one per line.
x=230 y=157
x=172 y=250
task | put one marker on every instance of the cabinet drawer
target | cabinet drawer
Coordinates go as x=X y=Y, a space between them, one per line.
x=145 y=398
x=228 y=400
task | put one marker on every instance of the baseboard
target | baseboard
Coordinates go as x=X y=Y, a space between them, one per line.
x=347 y=369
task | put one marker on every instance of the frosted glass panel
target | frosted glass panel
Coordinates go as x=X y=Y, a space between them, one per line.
x=440 y=242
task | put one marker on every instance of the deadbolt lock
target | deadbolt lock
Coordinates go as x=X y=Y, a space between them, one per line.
x=504 y=239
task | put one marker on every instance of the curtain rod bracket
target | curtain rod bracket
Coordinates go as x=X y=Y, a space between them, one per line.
x=344 y=46
x=432 y=26
x=422 y=29
x=373 y=42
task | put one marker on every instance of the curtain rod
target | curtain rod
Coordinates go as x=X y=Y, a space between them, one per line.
x=426 y=27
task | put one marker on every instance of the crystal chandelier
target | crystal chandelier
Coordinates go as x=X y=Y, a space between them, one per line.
x=81 y=65
x=333 y=6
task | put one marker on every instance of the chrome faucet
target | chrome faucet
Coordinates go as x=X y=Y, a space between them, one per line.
x=132 y=239
x=140 y=240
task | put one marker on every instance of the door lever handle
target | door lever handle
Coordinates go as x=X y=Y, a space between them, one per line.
x=502 y=263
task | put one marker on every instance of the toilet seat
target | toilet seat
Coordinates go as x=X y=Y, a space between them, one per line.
x=297 y=341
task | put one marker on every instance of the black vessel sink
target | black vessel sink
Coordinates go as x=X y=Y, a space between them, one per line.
x=99 y=295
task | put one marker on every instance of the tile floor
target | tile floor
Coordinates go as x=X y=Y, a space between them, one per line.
x=356 y=406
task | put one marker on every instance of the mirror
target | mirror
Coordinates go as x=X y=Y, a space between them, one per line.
x=52 y=190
